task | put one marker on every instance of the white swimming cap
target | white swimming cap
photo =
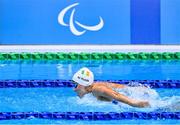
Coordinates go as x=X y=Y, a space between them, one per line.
x=83 y=77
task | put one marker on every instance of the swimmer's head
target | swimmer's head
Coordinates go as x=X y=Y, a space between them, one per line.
x=83 y=77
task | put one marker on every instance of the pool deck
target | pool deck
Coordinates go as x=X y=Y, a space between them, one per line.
x=89 y=48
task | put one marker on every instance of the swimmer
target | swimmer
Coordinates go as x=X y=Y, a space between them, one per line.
x=104 y=91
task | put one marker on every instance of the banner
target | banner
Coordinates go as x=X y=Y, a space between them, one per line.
x=89 y=22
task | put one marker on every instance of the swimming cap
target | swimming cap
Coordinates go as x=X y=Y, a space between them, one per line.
x=83 y=77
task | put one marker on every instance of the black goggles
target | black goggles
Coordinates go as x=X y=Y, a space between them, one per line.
x=75 y=84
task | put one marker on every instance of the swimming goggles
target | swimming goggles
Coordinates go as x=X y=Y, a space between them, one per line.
x=75 y=84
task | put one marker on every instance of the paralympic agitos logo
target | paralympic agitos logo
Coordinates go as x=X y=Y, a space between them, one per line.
x=71 y=25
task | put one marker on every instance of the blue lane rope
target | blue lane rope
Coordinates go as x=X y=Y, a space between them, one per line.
x=90 y=115
x=68 y=83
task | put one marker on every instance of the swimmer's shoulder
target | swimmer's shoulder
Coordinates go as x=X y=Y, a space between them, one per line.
x=109 y=84
x=98 y=84
x=99 y=87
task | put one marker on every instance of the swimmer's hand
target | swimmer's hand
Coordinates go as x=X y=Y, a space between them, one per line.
x=141 y=104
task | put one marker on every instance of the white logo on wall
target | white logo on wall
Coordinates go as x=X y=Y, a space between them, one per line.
x=71 y=22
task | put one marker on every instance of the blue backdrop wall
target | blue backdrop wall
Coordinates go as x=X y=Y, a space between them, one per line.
x=89 y=22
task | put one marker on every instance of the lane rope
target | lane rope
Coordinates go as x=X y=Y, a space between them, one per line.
x=90 y=56
x=69 y=83
x=90 y=115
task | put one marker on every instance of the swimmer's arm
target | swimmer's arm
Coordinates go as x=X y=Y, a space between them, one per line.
x=109 y=93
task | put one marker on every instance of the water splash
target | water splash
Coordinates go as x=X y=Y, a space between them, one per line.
x=157 y=103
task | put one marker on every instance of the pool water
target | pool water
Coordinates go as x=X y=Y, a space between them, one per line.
x=103 y=70
x=65 y=99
